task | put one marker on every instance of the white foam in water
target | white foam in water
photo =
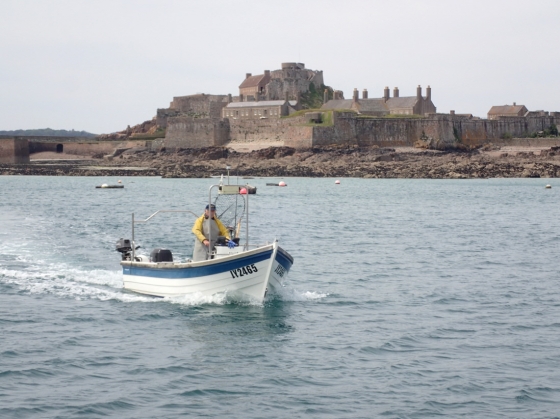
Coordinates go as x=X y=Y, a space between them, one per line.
x=40 y=276
x=290 y=294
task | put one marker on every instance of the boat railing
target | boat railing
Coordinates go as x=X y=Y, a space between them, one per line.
x=134 y=221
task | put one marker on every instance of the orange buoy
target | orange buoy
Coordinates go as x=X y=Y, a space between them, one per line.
x=243 y=191
x=337 y=182
x=282 y=184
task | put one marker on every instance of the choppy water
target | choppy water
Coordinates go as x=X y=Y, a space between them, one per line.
x=407 y=299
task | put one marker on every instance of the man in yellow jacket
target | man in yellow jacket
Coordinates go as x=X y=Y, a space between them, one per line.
x=207 y=226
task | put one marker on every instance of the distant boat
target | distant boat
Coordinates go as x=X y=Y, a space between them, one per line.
x=106 y=186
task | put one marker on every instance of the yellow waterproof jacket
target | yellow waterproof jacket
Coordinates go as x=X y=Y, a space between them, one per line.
x=199 y=232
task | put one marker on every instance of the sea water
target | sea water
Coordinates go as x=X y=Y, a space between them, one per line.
x=407 y=299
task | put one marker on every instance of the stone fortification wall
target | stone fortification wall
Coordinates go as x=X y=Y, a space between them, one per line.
x=14 y=151
x=445 y=129
x=202 y=105
x=88 y=148
x=476 y=131
x=292 y=81
x=289 y=130
x=186 y=132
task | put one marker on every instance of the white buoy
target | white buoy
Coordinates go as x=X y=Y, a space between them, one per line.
x=337 y=182
x=119 y=181
x=548 y=186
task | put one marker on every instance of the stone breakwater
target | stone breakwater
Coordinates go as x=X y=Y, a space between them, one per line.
x=316 y=162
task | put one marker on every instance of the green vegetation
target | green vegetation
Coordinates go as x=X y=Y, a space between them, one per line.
x=159 y=133
x=399 y=116
x=456 y=135
x=551 y=131
x=506 y=136
x=48 y=132
x=313 y=99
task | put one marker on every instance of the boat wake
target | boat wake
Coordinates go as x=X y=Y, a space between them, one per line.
x=61 y=280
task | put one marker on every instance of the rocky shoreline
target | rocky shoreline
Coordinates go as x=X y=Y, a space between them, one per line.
x=486 y=162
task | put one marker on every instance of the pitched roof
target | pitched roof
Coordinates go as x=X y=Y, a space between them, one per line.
x=402 y=102
x=372 y=105
x=507 y=109
x=253 y=81
x=256 y=104
x=338 y=104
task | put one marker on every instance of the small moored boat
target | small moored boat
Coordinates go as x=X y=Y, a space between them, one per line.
x=237 y=267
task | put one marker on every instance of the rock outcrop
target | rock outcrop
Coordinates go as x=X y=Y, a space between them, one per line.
x=315 y=162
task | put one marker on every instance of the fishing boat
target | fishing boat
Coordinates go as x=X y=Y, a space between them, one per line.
x=236 y=267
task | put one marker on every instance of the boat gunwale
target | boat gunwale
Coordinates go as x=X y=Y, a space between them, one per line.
x=200 y=264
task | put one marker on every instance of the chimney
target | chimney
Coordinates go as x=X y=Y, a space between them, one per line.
x=386 y=94
x=229 y=97
x=396 y=92
x=452 y=112
x=326 y=96
x=247 y=75
x=364 y=94
x=428 y=93
x=241 y=97
x=513 y=103
x=267 y=73
x=355 y=95
x=419 y=92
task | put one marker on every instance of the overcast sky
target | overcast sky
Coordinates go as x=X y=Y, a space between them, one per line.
x=100 y=65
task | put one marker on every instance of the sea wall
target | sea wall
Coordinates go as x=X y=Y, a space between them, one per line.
x=290 y=130
x=14 y=151
x=186 y=132
x=84 y=148
x=351 y=129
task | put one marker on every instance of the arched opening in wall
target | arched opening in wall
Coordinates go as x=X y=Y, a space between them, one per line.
x=59 y=148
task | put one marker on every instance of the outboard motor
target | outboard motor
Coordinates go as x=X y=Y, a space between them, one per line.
x=124 y=246
x=161 y=255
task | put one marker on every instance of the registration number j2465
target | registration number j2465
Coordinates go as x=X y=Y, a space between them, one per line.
x=246 y=270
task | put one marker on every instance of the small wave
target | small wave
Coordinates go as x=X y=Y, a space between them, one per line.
x=293 y=295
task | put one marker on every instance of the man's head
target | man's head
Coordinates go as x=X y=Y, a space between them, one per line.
x=210 y=210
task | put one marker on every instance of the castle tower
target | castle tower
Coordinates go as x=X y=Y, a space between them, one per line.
x=386 y=94
x=396 y=92
x=364 y=94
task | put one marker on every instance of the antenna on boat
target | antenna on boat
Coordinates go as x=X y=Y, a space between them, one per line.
x=227 y=168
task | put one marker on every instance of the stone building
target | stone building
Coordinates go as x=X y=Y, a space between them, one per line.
x=496 y=112
x=396 y=105
x=259 y=110
x=200 y=105
x=292 y=79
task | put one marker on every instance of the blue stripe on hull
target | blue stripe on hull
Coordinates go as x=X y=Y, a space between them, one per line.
x=284 y=259
x=194 y=272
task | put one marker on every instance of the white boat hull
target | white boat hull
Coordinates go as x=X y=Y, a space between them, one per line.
x=251 y=273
